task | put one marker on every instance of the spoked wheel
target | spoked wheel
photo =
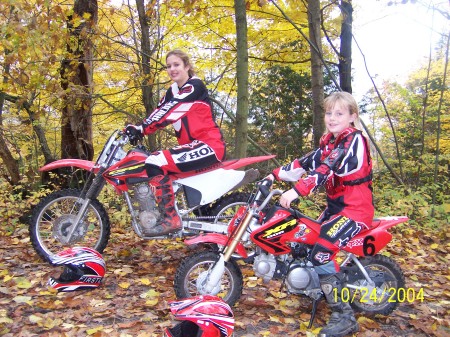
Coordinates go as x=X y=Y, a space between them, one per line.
x=389 y=286
x=54 y=217
x=226 y=207
x=222 y=210
x=193 y=271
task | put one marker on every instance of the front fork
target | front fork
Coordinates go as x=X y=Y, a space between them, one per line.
x=94 y=190
x=78 y=220
x=216 y=273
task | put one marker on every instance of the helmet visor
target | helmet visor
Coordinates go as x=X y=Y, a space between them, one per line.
x=183 y=329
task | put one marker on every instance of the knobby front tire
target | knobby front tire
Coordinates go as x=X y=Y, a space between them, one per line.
x=53 y=217
x=193 y=266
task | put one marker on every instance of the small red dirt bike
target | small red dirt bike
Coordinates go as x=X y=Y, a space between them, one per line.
x=279 y=241
x=75 y=217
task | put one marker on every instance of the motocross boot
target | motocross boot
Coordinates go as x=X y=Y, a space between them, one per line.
x=342 y=321
x=170 y=220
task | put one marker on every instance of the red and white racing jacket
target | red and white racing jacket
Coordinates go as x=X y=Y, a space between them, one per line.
x=189 y=110
x=344 y=166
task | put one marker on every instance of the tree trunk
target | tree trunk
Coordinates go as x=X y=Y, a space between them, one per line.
x=345 y=54
x=76 y=80
x=439 y=126
x=40 y=134
x=241 y=128
x=144 y=58
x=147 y=95
x=316 y=70
x=12 y=165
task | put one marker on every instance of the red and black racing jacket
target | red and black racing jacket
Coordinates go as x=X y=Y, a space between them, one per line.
x=344 y=166
x=189 y=110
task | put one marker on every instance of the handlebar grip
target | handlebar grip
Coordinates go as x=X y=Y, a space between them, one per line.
x=264 y=187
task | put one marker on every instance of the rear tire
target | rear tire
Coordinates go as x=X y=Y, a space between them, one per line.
x=195 y=266
x=389 y=282
x=53 y=217
x=226 y=207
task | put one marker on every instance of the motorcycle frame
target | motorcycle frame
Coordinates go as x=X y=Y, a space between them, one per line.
x=119 y=169
x=367 y=243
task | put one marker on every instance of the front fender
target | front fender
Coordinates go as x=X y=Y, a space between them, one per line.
x=219 y=239
x=80 y=163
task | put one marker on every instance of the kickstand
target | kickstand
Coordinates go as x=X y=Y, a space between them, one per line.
x=313 y=312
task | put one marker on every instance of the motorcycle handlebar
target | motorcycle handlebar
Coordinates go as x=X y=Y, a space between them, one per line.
x=123 y=135
x=268 y=198
x=265 y=186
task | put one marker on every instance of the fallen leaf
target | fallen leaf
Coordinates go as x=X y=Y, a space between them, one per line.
x=34 y=318
x=124 y=285
x=22 y=299
x=145 y=281
x=22 y=283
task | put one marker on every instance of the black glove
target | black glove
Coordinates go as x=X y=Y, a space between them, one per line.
x=135 y=133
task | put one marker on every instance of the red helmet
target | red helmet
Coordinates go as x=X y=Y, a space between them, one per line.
x=84 y=268
x=202 y=316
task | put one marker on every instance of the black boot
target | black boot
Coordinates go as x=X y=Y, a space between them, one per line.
x=170 y=221
x=342 y=321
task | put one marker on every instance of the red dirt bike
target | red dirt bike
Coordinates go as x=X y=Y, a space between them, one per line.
x=279 y=241
x=74 y=217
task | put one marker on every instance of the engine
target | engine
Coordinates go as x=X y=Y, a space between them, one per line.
x=148 y=210
x=265 y=266
x=302 y=278
x=299 y=274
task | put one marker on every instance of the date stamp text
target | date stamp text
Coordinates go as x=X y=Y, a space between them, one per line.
x=377 y=295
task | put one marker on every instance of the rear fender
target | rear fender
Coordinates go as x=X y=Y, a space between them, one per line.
x=218 y=239
x=211 y=185
x=388 y=221
x=232 y=164
x=80 y=163
x=371 y=241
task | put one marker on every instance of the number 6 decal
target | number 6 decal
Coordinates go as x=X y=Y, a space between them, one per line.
x=368 y=246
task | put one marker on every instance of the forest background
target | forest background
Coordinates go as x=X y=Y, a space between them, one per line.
x=72 y=72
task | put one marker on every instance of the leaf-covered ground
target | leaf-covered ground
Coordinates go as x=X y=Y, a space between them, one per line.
x=133 y=299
